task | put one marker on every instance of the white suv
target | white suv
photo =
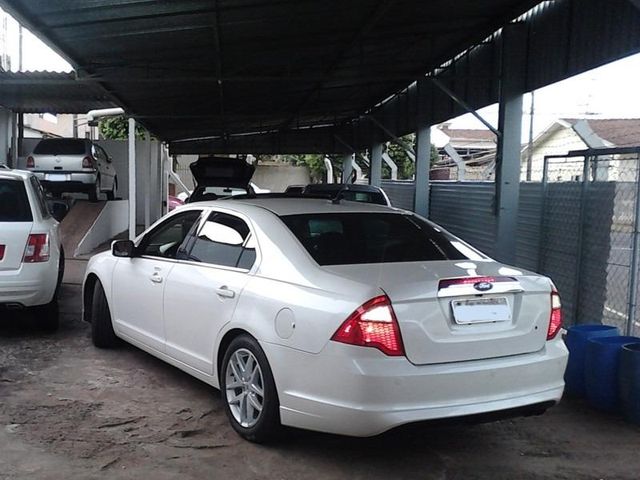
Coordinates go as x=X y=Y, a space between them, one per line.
x=74 y=165
x=31 y=255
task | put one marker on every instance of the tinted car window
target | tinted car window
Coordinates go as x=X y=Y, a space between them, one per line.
x=14 y=202
x=221 y=241
x=365 y=197
x=166 y=239
x=372 y=196
x=40 y=196
x=356 y=238
x=60 y=146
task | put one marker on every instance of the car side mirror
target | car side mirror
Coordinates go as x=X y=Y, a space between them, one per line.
x=123 y=248
x=58 y=210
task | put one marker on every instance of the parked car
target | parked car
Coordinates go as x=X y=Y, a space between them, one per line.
x=66 y=165
x=349 y=191
x=31 y=255
x=341 y=317
x=4 y=167
x=220 y=177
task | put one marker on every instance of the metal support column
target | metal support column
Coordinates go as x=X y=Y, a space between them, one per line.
x=635 y=259
x=375 y=174
x=147 y=184
x=423 y=153
x=512 y=85
x=329 y=166
x=347 y=168
x=14 y=141
x=132 y=179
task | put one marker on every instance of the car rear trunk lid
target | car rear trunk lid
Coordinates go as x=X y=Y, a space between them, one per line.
x=221 y=172
x=444 y=318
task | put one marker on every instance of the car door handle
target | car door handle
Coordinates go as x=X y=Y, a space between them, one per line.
x=155 y=278
x=225 y=292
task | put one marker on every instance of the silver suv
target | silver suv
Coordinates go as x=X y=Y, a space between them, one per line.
x=65 y=165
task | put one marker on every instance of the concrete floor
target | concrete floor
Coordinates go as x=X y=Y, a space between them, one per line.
x=71 y=411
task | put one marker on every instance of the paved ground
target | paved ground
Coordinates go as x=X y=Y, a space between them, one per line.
x=70 y=411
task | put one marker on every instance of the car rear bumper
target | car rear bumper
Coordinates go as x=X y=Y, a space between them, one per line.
x=32 y=285
x=72 y=181
x=360 y=392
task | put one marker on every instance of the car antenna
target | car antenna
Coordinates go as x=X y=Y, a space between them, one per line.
x=336 y=200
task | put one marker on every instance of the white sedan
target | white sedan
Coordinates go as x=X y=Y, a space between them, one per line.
x=31 y=256
x=346 y=317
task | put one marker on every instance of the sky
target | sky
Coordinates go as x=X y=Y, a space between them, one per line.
x=610 y=91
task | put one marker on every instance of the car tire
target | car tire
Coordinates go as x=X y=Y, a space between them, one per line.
x=102 y=334
x=94 y=191
x=61 y=264
x=48 y=316
x=239 y=399
x=111 y=195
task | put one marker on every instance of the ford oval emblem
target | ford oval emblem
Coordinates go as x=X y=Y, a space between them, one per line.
x=483 y=286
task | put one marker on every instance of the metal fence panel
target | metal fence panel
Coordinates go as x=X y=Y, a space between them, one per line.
x=401 y=194
x=589 y=234
x=528 y=235
x=466 y=210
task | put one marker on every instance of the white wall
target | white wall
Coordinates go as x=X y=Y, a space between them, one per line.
x=278 y=177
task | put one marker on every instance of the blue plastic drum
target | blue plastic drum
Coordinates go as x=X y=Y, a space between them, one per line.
x=629 y=382
x=601 y=371
x=576 y=341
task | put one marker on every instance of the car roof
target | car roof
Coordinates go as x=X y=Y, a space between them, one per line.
x=334 y=187
x=15 y=174
x=298 y=205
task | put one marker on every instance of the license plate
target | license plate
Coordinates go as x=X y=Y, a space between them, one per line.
x=56 y=177
x=481 y=310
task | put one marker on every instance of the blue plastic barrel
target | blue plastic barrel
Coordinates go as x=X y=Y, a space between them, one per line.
x=601 y=371
x=576 y=341
x=629 y=382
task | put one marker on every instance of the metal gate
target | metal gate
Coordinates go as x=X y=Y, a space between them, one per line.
x=589 y=234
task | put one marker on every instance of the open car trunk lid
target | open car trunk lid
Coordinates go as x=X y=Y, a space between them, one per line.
x=221 y=172
x=443 y=317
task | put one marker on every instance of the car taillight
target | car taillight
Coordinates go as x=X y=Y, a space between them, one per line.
x=87 y=162
x=374 y=324
x=37 y=248
x=555 y=319
x=2 y=247
x=31 y=163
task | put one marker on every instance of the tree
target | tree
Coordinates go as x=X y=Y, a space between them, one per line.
x=117 y=128
x=314 y=162
x=406 y=166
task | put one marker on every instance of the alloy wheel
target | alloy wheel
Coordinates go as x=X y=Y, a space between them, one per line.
x=244 y=387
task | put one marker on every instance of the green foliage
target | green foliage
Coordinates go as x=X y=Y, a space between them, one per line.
x=406 y=166
x=117 y=128
x=313 y=161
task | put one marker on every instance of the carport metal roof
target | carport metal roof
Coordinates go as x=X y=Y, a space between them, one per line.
x=52 y=92
x=198 y=68
x=279 y=76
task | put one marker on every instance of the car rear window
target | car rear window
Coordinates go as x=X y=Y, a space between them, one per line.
x=64 y=146
x=14 y=203
x=357 y=238
x=351 y=195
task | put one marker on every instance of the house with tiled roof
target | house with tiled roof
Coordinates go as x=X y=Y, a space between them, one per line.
x=570 y=134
